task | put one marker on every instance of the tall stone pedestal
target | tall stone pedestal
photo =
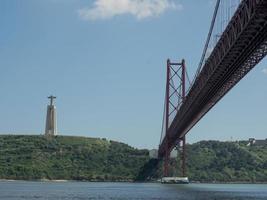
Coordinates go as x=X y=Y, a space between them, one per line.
x=51 y=119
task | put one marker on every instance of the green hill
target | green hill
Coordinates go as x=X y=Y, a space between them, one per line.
x=214 y=161
x=82 y=158
x=227 y=161
x=65 y=157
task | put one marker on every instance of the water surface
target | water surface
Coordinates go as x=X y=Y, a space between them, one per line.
x=21 y=190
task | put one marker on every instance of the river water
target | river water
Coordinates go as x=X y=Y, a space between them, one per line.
x=21 y=190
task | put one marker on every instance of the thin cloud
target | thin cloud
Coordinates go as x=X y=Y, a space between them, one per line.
x=264 y=71
x=106 y=9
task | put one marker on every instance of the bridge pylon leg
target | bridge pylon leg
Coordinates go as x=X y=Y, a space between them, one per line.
x=183 y=166
x=166 y=163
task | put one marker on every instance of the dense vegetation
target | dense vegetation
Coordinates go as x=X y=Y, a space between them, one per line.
x=214 y=161
x=80 y=158
x=227 y=161
x=65 y=157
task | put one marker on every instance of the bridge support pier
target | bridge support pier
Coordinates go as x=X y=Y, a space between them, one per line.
x=166 y=163
x=183 y=158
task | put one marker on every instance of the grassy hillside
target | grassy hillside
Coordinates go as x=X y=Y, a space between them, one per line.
x=227 y=161
x=65 y=157
x=81 y=158
x=210 y=161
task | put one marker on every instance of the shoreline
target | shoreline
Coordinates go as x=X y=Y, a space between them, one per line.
x=120 y=181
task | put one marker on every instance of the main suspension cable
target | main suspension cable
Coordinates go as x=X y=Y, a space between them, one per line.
x=208 y=39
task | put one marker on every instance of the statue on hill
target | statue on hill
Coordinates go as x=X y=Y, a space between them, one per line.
x=51 y=118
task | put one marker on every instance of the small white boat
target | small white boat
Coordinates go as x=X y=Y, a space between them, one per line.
x=175 y=180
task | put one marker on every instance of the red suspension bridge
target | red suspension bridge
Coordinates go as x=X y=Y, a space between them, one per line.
x=237 y=41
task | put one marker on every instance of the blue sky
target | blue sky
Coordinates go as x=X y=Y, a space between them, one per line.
x=106 y=65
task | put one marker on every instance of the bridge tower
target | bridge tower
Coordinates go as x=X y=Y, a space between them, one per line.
x=175 y=96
